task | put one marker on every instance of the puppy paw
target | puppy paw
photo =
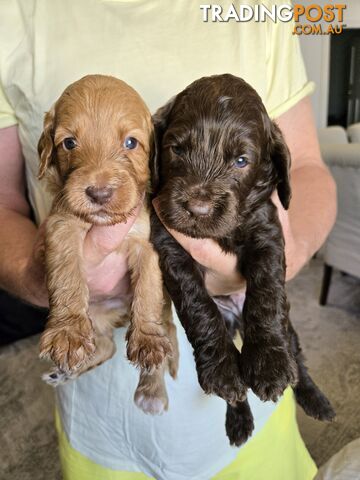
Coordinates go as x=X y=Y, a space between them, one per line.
x=239 y=423
x=223 y=378
x=56 y=377
x=147 y=351
x=68 y=347
x=268 y=371
x=152 y=405
x=151 y=396
x=314 y=402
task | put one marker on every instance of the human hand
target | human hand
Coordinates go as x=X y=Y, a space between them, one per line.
x=222 y=277
x=105 y=269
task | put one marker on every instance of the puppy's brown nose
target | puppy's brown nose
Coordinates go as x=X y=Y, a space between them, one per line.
x=198 y=207
x=100 y=195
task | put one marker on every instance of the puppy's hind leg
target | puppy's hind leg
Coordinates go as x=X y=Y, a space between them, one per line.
x=308 y=395
x=173 y=358
x=150 y=395
x=239 y=423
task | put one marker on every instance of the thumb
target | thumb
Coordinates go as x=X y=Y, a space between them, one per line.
x=101 y=241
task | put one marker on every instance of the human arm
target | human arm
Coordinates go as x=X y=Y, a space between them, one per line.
x=312 y=209
x=307 y=222
x=21 y=268
x=18 y=233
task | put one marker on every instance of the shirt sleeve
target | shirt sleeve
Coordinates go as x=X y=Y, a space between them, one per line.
x=287 y=81
x=7 y=114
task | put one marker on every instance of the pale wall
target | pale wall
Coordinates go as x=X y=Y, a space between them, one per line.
x=316 y=52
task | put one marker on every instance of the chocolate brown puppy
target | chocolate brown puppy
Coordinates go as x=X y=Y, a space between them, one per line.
x=94 y=152
x=219 y=160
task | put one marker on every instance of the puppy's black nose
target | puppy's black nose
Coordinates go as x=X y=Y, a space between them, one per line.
x=198 y=207
x=100 y=195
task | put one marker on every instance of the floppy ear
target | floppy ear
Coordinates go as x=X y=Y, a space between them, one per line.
x=46 y=147
x=160 y=120
x=280 y=157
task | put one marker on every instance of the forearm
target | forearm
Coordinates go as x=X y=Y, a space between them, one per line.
x=311 y=214
x=17 y=232
x=18 y=274
x=22 y=270
x=313 y=205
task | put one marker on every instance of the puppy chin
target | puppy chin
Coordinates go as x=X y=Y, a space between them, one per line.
x=107 y=219
x=183 y=222
x=195 y=231
x=105 y=215
x=218 y=223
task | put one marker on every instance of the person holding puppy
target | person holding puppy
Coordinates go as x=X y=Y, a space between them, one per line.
x=101 y=433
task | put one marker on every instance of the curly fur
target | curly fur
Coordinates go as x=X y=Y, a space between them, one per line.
x=202 y=192
x=99 y=112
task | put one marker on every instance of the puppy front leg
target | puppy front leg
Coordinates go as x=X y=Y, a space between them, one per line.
x=68 y=339
x=217 y=359
x=103 y=321
x=268 y=364
x=147 y=342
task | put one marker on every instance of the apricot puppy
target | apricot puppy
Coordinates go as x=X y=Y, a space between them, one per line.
x=95 y=151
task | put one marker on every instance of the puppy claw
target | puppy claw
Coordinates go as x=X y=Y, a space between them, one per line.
x=68 y=349
x=268 y=373
x=56 y=377
x=230 y=390
x=223 y=380
x=147 y=351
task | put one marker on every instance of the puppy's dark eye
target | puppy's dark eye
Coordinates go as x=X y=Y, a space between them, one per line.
x=130 y=143
x=177 y=149
x=241 y=162
x=69 y=143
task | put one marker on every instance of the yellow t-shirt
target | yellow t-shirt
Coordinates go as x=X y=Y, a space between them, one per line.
x=157 y=46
